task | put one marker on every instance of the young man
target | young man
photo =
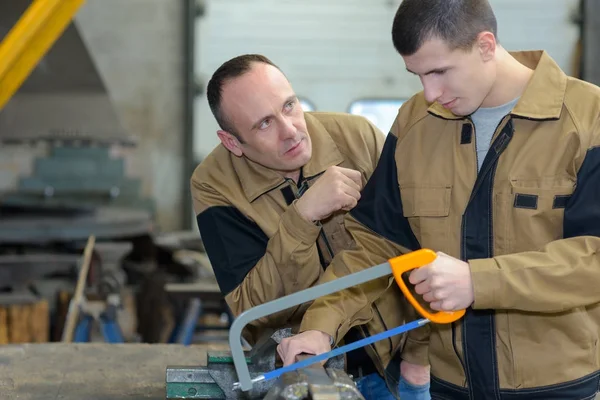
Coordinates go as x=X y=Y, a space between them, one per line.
x=495 y=165
x=270 y=202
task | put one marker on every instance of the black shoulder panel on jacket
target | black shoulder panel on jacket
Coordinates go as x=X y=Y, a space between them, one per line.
x=582 y=212
x=380 y=205
x=233 y=243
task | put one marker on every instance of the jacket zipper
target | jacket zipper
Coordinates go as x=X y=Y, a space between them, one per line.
x=462 y=228
x=462 y=248
x=475 y=143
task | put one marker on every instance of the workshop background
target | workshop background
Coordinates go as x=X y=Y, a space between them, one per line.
x=103 y=117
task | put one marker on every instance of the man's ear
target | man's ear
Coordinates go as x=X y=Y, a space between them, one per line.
x=230 y=142
x=486 y=43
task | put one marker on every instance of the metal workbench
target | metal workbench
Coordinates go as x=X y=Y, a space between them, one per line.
x=95 y=371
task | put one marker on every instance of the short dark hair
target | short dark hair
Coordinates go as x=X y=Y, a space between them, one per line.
x=456 y=22
x=230 y=69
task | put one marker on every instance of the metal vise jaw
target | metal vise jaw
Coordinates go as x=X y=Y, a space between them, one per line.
x=314 y=383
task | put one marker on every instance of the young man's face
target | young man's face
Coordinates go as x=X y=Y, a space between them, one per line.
x=458 y=80
x=263 y=108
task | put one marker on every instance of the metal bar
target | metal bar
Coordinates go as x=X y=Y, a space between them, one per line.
x=28 y=41
x=188 y=375
x=591 y=36
x=82 y=332
x=235 y=332
x=111 y=331
x=192 y=314
x=191 y=383
x=189 y=55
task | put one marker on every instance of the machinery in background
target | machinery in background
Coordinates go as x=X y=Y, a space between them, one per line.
x=52 y=98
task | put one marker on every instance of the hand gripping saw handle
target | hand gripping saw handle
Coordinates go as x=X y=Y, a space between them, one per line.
x=396 y=266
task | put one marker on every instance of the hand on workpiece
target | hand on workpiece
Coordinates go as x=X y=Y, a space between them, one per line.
x=309 y=342
x=337 y=189
x=445 y=284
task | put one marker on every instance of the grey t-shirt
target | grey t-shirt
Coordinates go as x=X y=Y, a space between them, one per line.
x=486 y=121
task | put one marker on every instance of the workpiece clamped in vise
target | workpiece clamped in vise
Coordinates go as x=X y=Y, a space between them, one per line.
x=215 y=380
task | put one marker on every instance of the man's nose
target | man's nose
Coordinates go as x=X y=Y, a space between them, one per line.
x=431 y=90
x=288 y=129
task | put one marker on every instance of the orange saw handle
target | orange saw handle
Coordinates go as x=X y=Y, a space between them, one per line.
x=416 y=259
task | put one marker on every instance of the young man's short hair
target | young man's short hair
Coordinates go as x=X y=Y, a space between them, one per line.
x=456 y=22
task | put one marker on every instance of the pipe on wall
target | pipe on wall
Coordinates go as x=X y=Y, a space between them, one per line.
x=189 y=92
x=591 y=41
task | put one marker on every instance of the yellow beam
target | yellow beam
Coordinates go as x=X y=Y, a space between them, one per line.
x=28 y=41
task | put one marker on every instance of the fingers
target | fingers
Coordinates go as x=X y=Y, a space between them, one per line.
x=347 y=183
x=423 y=288
x=429 y=297
x=349 y=193
x=353 y=175
x=350 y=198
x=280 y=349
x=443 y=305
x=429 y=292
x=310 y=342
x=418 y=275
x=289 y=349
x=440 y=301
x=350 y=204
x=290 y=357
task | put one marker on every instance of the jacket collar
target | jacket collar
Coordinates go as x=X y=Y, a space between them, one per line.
x=544 y=96
x=257 y=179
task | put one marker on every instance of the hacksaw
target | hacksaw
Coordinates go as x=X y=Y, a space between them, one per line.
x=396 y=266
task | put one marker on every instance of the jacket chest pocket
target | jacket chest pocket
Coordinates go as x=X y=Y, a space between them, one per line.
x=535 y=212
x=427 y=209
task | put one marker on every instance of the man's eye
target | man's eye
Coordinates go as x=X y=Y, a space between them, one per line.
x=265 y=124
x=289 y=105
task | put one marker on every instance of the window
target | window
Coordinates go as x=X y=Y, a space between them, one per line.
x=381 y=112
x=306 y=104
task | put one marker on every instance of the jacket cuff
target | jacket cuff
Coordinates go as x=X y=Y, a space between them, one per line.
x=321 y=321
x=416 y=351
x=301 y=228
x=487 y=285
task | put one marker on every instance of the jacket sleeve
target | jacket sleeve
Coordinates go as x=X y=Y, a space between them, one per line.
x=563 y=275
x=250 y=268
x=381 y=231
x=375 y=141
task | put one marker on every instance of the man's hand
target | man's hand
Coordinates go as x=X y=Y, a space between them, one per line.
x=445 y=283
x=338 y=189
x=310 y=342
